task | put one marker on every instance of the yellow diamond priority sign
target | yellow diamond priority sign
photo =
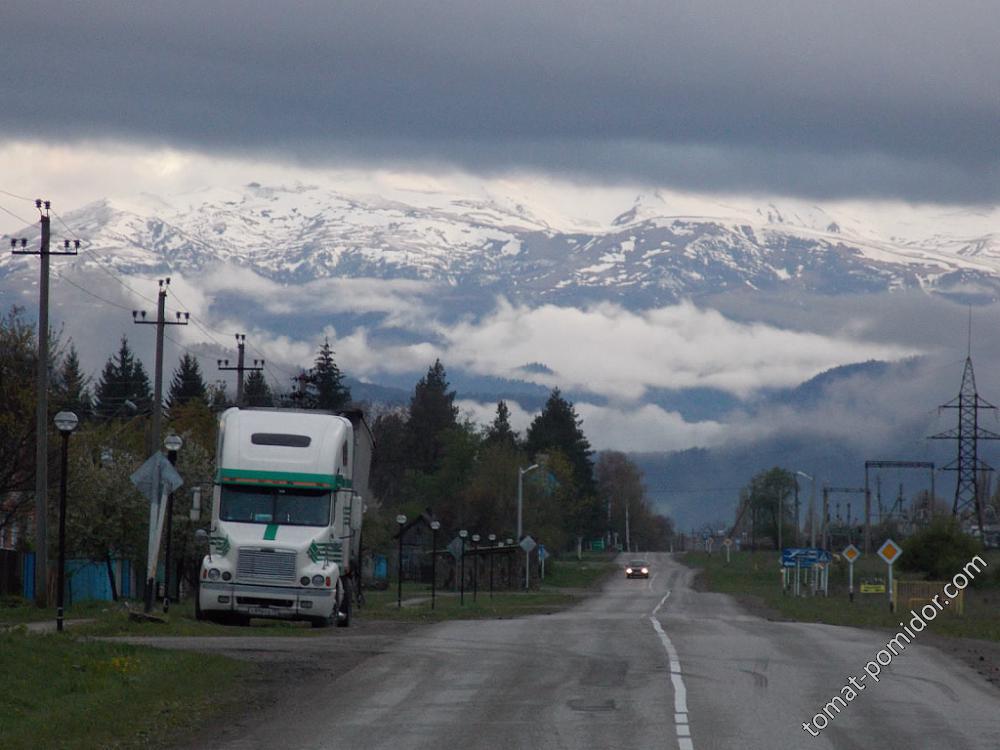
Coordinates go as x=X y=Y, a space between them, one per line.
x=889 y=551
x=851 y=553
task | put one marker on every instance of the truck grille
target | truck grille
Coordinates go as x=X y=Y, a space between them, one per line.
x=265 y=565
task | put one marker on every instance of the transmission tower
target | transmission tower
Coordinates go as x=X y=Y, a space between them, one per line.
x=968 y=434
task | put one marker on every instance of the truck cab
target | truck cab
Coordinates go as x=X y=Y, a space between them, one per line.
x=286 y=518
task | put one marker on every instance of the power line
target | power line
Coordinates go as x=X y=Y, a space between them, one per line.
x=60 y=277
x=19 y=197
x=19 y=218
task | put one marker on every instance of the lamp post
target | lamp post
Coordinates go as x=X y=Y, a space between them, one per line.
x=493 y=544
x=520 y=495
x=475 y=567
x=435 y=525
x=400 y=519
x=173 y=444
x=461 y=585
x=66 y=422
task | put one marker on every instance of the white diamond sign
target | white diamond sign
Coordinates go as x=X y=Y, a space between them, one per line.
x=528 y=544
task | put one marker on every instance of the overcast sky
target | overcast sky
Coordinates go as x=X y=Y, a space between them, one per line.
x=897 y=99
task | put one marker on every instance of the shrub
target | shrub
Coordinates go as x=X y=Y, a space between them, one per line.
x=940 y=550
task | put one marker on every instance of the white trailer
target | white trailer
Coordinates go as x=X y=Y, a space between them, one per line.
x=285 y=539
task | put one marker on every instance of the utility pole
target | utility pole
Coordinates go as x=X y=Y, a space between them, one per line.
x=628 y=538
x=241 y=366
x=42 y=396
x=139 y=318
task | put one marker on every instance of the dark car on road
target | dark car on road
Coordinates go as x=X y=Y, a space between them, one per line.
x=637 y=569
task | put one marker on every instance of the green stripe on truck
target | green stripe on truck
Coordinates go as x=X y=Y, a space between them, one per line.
x=270 y=532
x=281 y=478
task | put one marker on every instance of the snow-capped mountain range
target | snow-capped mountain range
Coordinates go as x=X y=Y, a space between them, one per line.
x=661 y=249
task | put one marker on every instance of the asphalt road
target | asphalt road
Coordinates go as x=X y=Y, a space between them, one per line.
x=699 y=673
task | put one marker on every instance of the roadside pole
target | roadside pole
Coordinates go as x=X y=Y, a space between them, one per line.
x=889 y=552
x=527 y=544
x=851 y=554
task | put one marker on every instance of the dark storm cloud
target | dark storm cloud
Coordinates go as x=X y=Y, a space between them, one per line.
x=896 y=98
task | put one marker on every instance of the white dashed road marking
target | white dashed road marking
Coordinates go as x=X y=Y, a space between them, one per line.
x=684 y=740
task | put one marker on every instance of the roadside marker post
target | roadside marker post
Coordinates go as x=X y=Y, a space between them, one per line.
x=727 y=543
x=851 y=554
x=527 y=544
x=890 y=552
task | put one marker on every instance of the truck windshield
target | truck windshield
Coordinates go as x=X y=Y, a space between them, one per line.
x=296 y=507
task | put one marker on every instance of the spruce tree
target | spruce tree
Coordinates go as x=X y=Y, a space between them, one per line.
x=256 y=392
x=558 y=426
x=188 y=384
x=72 y=390
x=328 y=382
x=123 y=379
x=500 y=432
x=432 y=413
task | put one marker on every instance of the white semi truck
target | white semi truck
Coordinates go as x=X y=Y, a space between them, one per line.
x=285 y=539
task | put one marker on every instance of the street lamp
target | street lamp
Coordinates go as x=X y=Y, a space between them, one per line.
x=520 y=490
x=400 y=519
x=475 y=567
x=66 y=422
x=493 y=544
x=173 y=444
x=435 y=525
x=461 y=595
x=812 y=501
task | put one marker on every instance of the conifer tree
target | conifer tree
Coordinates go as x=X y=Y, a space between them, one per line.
x=72 y=390
x=256 y=391
x=500 y=432
x=558 y=426
x=123 y=379
x=188 y=384
x=330 y=392
x=432 y=413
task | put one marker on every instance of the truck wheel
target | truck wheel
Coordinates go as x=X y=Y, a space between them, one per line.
x=198 y=614
x=344 y=618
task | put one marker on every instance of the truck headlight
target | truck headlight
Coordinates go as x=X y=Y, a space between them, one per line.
x=304 y=580
x=317 y=580
x=227 y=576
x=213 y=574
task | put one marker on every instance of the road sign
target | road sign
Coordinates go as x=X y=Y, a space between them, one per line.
x=597 y=545
x=727 y=542
x=803 y=557
x=872 y=588
x=889 y=551
x=542 y=552
x=455 y=548
x=145 y=477
x=850 y=553
x=528 y=544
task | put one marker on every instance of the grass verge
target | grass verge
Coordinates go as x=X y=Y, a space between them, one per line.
x=754 y=578
x=566 y=582
x=67 y=694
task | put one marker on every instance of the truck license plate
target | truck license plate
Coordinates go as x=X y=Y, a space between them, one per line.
x=263 y=611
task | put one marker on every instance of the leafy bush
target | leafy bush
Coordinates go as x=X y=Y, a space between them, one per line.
x=940 y=550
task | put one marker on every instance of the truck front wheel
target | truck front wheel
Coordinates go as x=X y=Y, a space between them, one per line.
x=344 y=617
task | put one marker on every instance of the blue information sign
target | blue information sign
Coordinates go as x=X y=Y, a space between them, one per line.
x=804 y=557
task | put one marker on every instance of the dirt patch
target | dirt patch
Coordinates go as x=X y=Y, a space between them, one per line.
x=286 y=670
x=982 y=656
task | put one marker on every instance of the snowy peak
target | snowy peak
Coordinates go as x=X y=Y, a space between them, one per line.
x=666 y=246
